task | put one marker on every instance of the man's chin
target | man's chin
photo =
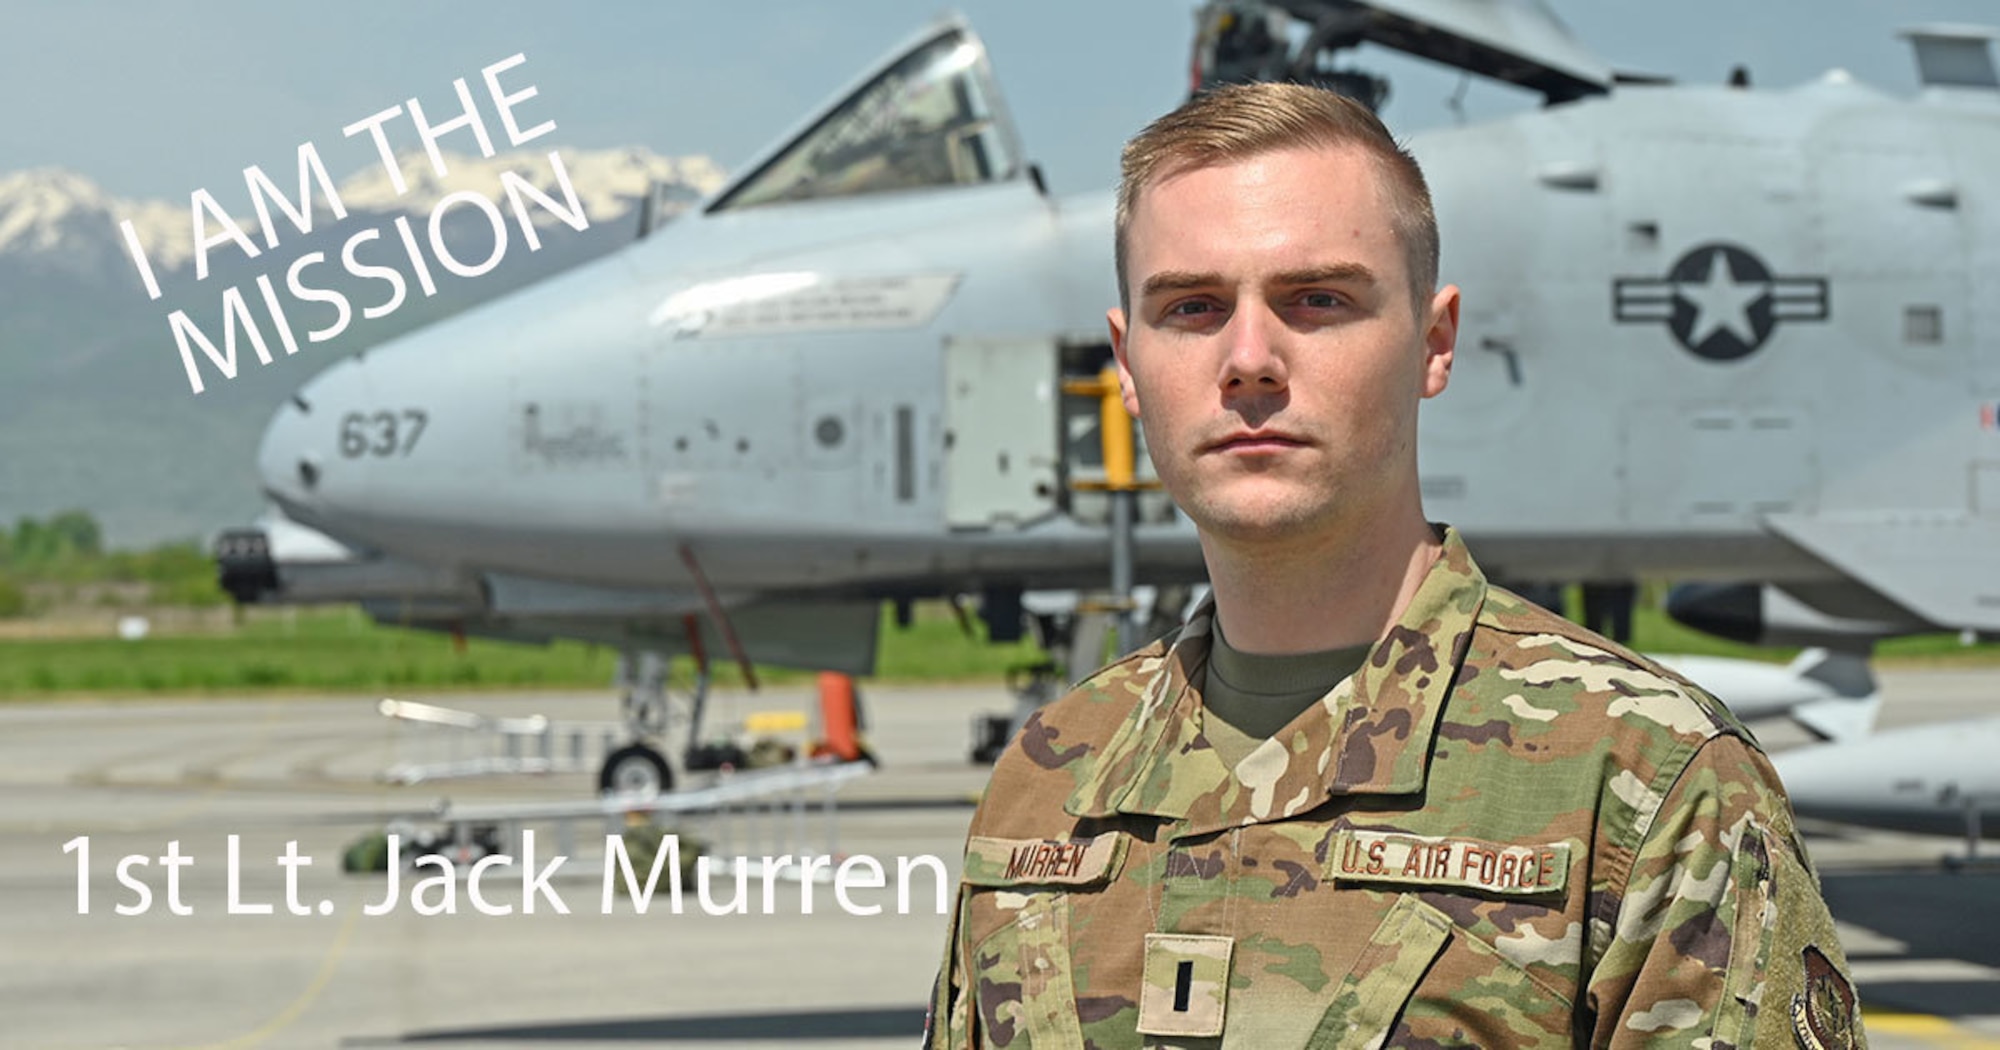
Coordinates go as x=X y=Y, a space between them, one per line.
x=1261 y=524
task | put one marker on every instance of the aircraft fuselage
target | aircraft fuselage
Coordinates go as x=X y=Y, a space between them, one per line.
x=1690 y=316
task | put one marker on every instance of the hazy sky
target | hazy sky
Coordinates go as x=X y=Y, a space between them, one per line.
x=157 y=99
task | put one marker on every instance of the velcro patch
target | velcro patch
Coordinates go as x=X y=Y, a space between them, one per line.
x=1823 y=1014
x=1185 y=989
x=1043 y=862
x=1425 y=860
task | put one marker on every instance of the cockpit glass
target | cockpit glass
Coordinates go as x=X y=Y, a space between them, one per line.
x=929 y=121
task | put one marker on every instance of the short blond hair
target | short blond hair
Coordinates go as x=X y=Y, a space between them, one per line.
x=1240 y=121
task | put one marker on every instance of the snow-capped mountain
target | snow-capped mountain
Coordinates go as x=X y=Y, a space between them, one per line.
x=63 y=219
x=95 y=410
x=607 y=181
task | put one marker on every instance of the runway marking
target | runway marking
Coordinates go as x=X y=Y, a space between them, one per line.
x=1860 y=940
x=1927 y=1029
x=1933 y=1030
x=329 y=965
x=205 y=795
x=208 y=792
x=1870 y=971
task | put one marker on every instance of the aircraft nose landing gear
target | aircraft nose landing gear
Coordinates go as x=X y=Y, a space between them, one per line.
x=639 y=768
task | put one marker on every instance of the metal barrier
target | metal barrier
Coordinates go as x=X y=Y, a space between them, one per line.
x=481 y=745
x=764 y=812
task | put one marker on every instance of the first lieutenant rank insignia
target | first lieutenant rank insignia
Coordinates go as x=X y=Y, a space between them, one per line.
x=1185 y=985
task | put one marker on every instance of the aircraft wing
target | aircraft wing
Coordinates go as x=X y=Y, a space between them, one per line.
x=816 y=635
x=1944 y=569
x=1518 y=41
x=282 y=561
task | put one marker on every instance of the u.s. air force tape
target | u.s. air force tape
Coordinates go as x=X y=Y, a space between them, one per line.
x=1426 y=860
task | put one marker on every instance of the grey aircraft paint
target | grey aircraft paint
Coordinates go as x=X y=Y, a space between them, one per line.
x=1709 y=332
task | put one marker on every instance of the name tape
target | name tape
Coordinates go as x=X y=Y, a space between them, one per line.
x=1043 y=862
x=1387 y=856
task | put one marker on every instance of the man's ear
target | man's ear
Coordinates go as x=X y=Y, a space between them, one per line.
x=1115 y=317
x=1440 y=339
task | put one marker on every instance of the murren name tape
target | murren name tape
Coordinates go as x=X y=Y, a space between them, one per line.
x=1053 y=862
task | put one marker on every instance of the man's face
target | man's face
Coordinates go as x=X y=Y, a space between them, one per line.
x=1273 y=351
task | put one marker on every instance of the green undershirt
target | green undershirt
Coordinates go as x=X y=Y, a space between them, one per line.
x=1248 y=697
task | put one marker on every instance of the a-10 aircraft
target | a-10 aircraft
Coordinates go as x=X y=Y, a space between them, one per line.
x=1711 y=332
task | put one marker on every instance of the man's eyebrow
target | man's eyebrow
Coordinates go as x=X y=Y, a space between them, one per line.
x=1332 y=273
x=1335 y=273
x=1177 y=281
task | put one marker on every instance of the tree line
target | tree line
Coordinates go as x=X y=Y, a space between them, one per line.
x=42 y=559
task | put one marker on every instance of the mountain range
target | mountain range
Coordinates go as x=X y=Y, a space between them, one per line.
x=95 y=409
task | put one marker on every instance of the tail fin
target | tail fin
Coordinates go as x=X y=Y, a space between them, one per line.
x=1849 y=714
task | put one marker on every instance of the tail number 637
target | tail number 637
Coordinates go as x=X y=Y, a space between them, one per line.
x=384 y=433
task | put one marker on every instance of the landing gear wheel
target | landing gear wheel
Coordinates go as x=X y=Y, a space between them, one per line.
x=635 y=769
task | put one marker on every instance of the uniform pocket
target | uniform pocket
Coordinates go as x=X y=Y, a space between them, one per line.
x=1373 y=993
x=1442 y=985
x=1021 y=983
x=1018 y=919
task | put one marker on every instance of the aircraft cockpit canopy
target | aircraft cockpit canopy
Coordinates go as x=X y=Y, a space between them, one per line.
x=931 y=119
x=1519 y=42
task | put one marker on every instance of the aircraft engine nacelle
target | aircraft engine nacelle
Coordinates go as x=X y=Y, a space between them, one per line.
x=245 y=568
x=1934 y=779
x=282 y=562
x=1833 y=616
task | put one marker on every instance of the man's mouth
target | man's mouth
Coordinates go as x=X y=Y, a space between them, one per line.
x=1256 y=441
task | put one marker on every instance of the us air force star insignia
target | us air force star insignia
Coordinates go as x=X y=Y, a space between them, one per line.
x=1719 y=300
x=1823 y=1013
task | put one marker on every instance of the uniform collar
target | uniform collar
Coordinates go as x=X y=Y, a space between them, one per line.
x=1370 y=735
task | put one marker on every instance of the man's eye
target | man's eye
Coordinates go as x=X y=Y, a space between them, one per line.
x=1319 y=300
x=1190 y=308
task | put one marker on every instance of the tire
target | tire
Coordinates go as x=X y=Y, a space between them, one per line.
x=635 y=769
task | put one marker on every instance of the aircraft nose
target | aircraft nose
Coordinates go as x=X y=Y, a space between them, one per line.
x=301 y=442
x=286 y=464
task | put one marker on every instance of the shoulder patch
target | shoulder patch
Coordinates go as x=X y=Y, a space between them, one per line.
x=1823 y=1013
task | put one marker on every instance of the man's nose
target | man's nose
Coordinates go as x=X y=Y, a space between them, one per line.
x=1255 y=363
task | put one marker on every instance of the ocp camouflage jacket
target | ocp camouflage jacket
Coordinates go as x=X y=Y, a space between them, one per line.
x=1502 y=831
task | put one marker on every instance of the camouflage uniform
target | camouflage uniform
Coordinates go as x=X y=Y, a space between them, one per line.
x=1502 y=831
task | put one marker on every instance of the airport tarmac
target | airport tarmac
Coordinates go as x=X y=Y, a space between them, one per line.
x=133 y=776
